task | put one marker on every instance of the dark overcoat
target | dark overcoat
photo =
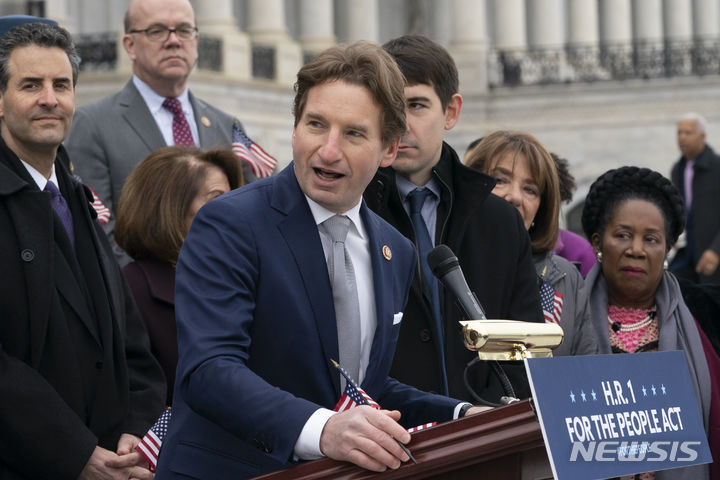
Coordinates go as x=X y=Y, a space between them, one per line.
x=75 y=365
x=488 y=236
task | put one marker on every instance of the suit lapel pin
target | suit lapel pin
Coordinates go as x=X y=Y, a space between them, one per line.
x=205 y=121
x=386 y=252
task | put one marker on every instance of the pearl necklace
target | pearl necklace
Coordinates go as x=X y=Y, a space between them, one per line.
x=631 y=327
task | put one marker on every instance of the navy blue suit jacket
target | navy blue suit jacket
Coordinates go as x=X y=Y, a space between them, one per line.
x=256 y=332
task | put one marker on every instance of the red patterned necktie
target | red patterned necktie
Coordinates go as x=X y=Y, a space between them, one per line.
x=180 y=127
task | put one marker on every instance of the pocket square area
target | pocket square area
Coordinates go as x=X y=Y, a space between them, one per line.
x=397 y=318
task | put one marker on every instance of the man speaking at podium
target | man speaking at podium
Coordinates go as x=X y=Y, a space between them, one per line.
x=280 y=277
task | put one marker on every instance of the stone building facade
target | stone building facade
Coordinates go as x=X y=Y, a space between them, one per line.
x=600 y=82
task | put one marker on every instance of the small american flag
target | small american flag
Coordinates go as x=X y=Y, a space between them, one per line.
x=354 y=396
x=261 y=163
x=421 y=427
x=103 y=213
x=552 y=302
x=149 y=446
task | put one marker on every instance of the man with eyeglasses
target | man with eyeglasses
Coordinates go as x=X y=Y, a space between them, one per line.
x=154 y=109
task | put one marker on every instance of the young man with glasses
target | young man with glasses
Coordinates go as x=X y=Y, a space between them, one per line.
x=154 y=109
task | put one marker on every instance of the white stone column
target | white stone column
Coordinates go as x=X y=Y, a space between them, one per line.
x=468 y=45
x=546 y=24
x=362 y=20
x=266 y=26
x=678 y=35
x=546 y=36
x=649 y=49
x=584 y=40
x=59 y=10
x=509 y=22
x=116 y=14
x=216 y=19
x=705 y=18
x=584 y=28
x=678 y=20
x=615 y=21
x=215 y=15
x=316 y=25
x=647 y=20
x=510 y=40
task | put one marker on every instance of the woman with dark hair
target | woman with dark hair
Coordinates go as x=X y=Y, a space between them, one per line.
x=526 y=177
x=570 y=245
x=632 y=217
x=156 y=207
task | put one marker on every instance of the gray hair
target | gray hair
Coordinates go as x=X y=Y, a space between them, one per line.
x=39 y=34
x=697 y=118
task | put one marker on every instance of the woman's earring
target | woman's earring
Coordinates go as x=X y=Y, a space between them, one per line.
x=665 y=264
x=598 y=255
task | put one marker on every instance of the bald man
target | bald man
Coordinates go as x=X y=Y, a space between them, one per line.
x=110 y=137
x=697 y=176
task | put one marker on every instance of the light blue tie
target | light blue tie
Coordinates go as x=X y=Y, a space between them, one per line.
x=345 y=296
x=416 y=199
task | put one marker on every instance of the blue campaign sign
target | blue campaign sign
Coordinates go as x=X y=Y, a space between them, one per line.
x=608 y=415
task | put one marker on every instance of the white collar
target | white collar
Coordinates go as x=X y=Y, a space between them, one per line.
x=320 y=214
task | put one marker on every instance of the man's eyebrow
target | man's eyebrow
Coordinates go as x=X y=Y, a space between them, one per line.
x=358 y=127
x=419 y=99
x=314 y=116
x=351 y=126
x=40 y=79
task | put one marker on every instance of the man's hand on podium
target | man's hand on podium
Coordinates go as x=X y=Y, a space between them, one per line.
x=477 y=409
x=366 y=437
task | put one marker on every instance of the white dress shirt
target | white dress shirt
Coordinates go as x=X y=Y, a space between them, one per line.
x=39 y=177
x=307 y=446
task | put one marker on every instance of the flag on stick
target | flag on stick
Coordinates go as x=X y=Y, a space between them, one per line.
x=354 y=396
x=552 y=302
x=261 y=163
x=149 y=446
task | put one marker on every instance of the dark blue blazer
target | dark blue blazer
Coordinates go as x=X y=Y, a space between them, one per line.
x=256 y=332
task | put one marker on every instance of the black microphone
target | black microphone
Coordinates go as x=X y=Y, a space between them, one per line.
x=445 y=266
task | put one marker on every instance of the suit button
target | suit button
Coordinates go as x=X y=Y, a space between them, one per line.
x=27 y=255
x=425 y=335
x=99 y=365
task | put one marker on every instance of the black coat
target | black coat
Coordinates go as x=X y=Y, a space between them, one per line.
x=75 y=365
x=153 y=285
x=488 y=236
x=703 y=219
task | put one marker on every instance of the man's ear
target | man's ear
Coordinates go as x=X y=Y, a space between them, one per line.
x=129 y=46
x=390 y=153
x=452 y=111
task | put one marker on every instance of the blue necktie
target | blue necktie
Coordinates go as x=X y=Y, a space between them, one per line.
x=416 y=199
x=63 y=211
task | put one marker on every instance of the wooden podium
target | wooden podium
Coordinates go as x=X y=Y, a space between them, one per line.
x=505 y=442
